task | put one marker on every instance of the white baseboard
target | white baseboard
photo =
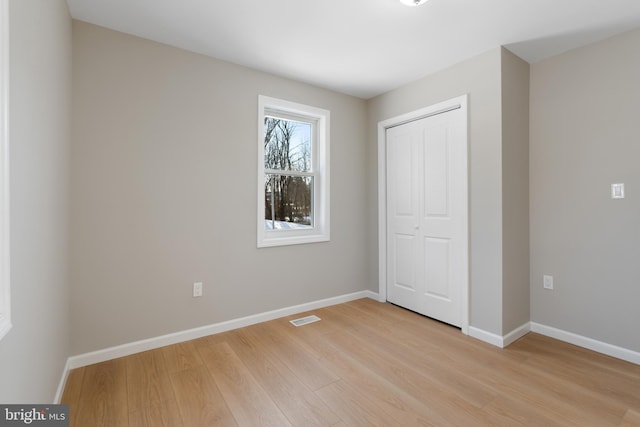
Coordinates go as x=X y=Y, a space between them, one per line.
x=569 y=337
x=497 y=340
x=485 y=336
x=589 y=343
x=516 y=334
x=190 y=334
x=62 y=383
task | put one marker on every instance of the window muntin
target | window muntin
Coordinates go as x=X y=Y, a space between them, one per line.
x=293 y=192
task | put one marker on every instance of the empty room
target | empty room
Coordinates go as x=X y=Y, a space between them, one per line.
x=337 y=213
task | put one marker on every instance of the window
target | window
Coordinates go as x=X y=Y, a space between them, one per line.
x=293 y=173
x=5 y=314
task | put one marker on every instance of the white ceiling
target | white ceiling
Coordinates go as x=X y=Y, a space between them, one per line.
x=362 y=47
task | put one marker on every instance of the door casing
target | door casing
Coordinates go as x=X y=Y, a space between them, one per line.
x=442 y=107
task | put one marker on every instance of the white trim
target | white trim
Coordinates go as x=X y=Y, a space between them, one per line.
x=488 y=337
x=5 y=276
x=588 y=343
x=321 y=197
x=382 y=212
x=516 y=334
x=462 y=102
x=63 y=382
x=497 y=340
x=568 y=337
x=190 y=334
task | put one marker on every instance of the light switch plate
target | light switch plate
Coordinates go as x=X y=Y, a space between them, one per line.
x=617 y=191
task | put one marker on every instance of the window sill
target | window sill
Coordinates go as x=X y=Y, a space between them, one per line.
x=279 y=240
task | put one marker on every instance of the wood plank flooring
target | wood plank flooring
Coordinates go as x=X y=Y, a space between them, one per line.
x=364 y=364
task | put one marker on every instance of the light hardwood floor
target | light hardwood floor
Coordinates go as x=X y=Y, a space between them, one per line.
x=364 y=364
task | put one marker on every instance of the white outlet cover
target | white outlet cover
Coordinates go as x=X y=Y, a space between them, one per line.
x=197 y=289
x=617 y=191
x=547 y=282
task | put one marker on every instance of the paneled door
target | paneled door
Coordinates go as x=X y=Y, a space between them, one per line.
x=427 y=242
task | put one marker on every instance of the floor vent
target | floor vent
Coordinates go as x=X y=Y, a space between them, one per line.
x=305 y=320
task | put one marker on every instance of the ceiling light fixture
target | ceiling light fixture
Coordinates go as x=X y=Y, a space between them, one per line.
x=413 y=2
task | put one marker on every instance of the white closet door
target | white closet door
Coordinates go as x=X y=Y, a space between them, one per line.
x=427 y=238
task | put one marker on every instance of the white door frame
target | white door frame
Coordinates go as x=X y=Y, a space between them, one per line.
x=442 y=107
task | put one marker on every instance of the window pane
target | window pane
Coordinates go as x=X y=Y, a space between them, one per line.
x=287 y=145
x=288 y=202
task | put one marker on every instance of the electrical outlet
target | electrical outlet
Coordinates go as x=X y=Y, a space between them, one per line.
x=547 y=282
x=197 y=289
x=617 y=191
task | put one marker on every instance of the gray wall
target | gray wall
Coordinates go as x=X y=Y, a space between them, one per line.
x=515 y=192
x=163 y=193
x=585 y=135
x=480 y=78
x=33 y=354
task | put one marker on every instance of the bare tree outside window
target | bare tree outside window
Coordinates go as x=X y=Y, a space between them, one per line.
x=288 y=188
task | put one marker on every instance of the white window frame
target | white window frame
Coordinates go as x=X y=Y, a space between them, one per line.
x=5 y=306
x=268 y=106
